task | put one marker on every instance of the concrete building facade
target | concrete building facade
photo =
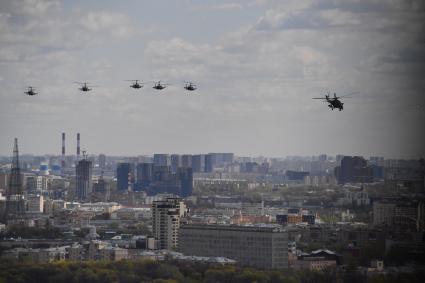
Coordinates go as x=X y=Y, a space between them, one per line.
x=166 y=215
x=261 y=247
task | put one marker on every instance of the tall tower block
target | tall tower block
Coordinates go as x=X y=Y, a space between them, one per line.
x=63 y=151
x=15 y=202
x=78 y=146
x=15 y=179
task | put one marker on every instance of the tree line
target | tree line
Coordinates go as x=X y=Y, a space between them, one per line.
x=171 y=271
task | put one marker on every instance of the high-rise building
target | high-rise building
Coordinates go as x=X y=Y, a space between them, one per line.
x=102 y=161
x=166 y=215
x=144 y=175
x=161 y=159
x=261 y=247
x=323 y=157
x=15 y=203
x=175 y=162
x=161 y=173
x=101 y=190
x=209 y=163
x=78 y=147
x=185 y=178
x=15 y=177
x=31 y=183
x=125 y=176
x=186 y=160
x=83 y=185
x=198 y=163
x=354 y=169
x=63 y=152
x=228 y=157
x=221 y=159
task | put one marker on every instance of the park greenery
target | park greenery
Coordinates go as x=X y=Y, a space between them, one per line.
x=163 y=272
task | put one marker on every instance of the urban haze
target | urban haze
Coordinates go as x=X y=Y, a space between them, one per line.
x=212 y=141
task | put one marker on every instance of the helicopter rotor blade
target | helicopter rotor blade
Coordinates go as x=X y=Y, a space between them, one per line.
x=82 y=83
x=347 y=95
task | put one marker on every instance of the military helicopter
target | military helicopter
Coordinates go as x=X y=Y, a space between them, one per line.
x=84 y=86
x=135 y=84
x=334 y=102
x=159 y=86
x=190 y=86
x=31 y=91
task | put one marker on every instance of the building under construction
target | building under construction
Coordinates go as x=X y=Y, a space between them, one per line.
x=15 y=201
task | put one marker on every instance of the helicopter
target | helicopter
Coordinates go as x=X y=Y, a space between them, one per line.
x=190 y=86
x=135 y=84
x=84 y=86
x=159 y=86
x=31 y=91
x=334 y=102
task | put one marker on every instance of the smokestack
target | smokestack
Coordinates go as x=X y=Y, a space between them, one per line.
x=78 y=146
x=63 y=150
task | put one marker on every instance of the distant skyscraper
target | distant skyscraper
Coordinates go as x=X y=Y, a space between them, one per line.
x=175 y=162
x=161 y=159
x=221 y=159
x=101 y=186
x=63 y=151
x=185 y=177
x=198 y=163
x=78 y=146
x=161 y=173
x=323 y=157
x=102 y=161
x=15 y=203
x=186 y=160
x=166 y=216
x=83 y=186
x=353 y=169
x=15 y=178
x=338 y=158
x=209 y=162
x=144 y=175
x=101 y=190
x=125 y=176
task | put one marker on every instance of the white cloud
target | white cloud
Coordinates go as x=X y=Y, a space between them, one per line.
x=117 y=25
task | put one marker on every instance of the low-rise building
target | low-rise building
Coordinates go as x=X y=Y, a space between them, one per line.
x=259 y=246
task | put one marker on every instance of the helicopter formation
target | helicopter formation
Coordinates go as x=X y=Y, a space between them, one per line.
x=333 y=102
x=135 y=84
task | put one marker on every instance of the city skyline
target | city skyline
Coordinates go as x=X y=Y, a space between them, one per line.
x=257 y=65
x=151 y=155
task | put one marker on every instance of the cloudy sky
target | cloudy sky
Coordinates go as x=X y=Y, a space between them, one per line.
x=257 y=63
